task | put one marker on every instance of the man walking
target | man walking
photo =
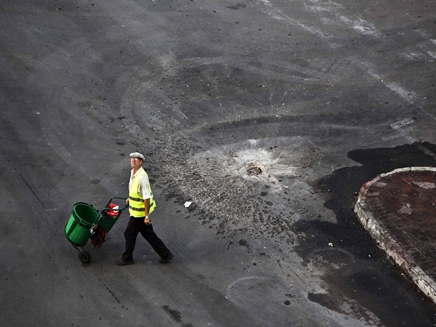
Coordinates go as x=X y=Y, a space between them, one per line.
x=141 y=205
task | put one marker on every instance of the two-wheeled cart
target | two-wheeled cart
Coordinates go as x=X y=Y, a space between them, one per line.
x=86 y=223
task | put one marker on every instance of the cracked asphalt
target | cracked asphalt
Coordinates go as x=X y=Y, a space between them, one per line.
x=268 y=116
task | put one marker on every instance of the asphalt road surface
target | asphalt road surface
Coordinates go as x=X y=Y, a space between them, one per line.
x=267 y=116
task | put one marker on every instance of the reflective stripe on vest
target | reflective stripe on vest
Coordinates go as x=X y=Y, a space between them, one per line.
x=136 y=203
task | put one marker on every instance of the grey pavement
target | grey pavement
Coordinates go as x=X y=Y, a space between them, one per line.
x=268 y=116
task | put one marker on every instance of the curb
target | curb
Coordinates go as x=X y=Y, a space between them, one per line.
x=385 y=240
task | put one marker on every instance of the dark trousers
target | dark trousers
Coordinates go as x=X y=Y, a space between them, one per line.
x=135 y=226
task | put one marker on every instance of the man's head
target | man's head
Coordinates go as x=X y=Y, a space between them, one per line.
x=136 y=160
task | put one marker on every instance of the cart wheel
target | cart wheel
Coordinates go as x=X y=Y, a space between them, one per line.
x=85 y=256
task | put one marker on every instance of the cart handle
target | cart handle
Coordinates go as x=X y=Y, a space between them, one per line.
x=115 y=197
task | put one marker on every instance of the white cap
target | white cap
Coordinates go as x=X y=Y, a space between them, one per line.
x=137 y=155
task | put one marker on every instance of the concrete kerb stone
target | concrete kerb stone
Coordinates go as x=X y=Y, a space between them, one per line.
x=387 y=243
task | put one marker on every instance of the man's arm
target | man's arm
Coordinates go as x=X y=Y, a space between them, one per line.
x=144 y=190
x=147 y=220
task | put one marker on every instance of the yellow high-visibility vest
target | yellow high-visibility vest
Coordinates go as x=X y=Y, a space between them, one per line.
x=136 y=202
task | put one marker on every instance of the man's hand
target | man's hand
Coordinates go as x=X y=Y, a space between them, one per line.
x=147 y=221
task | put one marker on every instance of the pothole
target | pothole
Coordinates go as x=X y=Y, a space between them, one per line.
x=254 y=171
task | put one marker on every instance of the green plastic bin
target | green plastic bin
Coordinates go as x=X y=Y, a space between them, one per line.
x=77 y=229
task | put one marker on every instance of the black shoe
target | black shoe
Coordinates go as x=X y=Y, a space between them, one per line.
x=167 y=258
x=121 y=262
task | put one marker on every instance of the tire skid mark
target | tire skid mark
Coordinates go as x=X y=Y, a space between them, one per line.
x=51 y=123
x=365 y=28
x=398 y=127
x=279 y=15
x=44 y=234
x=172 y=111
x=52 y=127
x=156 y=119
x=428 y=47
x=425 y=50
x=286 y=67
x=407 y=95
x=30 y=186
x=164 y=117
x=127 y=112
x=31 y=183
x=33 y=192
x=357 y=24
x=361 y=26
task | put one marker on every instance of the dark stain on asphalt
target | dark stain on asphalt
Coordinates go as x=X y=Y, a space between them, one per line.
x=237 y=6
x=176 y=316
x=370 y=278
